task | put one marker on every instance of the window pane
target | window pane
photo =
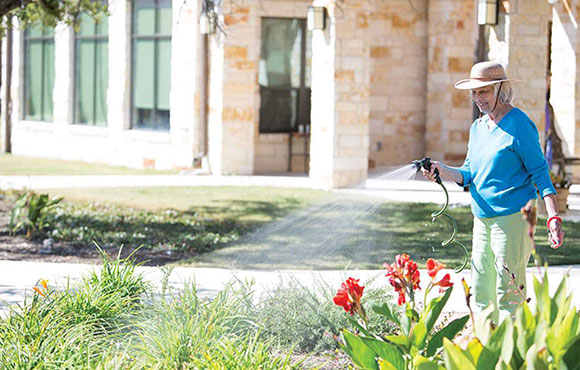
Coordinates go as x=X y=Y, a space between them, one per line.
x=48 y=80
x=281 y=52
x=33 y=81
x=87 y=25
x=277 y=110
x=101 y=83
x=103 y=26
x=163 y=73
x=144 y=17
x=143 y=88
x=86 y=81
x=164 y=17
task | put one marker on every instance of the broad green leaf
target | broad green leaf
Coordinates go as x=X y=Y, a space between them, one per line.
x=572 y=356
x=486 y=359
x=386 y=365
x=435 y=307
x=360 y=354
x=384 y=309
x=419 y=334
x=423 y=363
x=525 y=326
x=474 y=349
x=561 y=291
x=400 y=340
x=455 y=359
x=502 y=366
x=385 y=351
x=543 y=303
x=483 y=327
x=406 y=320
x=448 y=332
x=501 y=340
x=357 y=325
x=536 y=360
x=560 y=336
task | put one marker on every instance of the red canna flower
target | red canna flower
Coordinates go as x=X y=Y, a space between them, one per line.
x=444 y=283
x=433 y=267
x=403 y=276
x=349 y=296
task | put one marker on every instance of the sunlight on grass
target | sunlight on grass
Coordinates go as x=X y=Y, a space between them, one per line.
x=19 y=166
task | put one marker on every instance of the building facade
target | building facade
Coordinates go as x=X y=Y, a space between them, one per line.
x=263 y=94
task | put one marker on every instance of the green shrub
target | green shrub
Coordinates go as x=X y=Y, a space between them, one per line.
x=296 y=316
x=31 y=213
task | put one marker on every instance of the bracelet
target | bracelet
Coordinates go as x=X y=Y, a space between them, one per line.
x=553 y=218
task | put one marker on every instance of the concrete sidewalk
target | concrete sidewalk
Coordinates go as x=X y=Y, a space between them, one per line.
x=18 y=278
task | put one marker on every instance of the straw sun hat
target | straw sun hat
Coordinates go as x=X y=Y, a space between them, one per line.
x=483 y=74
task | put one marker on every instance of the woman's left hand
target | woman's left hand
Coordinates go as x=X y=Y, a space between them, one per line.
x=555 y=233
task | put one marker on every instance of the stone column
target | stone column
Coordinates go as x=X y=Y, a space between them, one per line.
x=524 y=31
x=184 y=51
x=63 y=97
x=565 y=94
x=232 y=101
x=119 y=87
x=451 y=53
x=340 y=96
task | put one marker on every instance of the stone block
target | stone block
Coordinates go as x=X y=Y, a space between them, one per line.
x=380 y=52
x=235 y=52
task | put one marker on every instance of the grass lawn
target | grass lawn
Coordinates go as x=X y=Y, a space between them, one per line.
x=14 y=165
x=273 y=228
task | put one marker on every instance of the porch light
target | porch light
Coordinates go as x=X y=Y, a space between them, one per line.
x=207 y=23
x=316 y=18
x=487 y=12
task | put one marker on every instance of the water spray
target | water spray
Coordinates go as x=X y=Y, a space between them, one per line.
x=426 y=164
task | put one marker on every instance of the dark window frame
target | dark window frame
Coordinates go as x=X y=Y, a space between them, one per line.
x=44 y=39
x=156 y=37
x=76 y=96
x=303 y=93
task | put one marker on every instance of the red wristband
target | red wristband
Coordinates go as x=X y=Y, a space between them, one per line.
x=553 y=218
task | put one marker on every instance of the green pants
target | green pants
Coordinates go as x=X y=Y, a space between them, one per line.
x=498 y=242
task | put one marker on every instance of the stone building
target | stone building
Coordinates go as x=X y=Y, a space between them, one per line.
x=265 y=95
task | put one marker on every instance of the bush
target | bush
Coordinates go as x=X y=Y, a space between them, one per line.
x=295 y=316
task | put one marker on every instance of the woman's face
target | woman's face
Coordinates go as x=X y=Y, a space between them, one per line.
x=484 y=98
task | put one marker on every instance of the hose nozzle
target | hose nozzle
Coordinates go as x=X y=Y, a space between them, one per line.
x=426 y=164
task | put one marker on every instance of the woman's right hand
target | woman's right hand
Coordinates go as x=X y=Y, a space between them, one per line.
x=430 y=175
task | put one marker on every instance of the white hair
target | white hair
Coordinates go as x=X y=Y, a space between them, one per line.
x=506 y=94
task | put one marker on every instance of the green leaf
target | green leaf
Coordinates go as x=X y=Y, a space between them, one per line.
x=423 y=363
x=360 y=354
x=572 y=356
x=561 y=291
x=562 y=334
x=384 y=309
x=483 y=323
x=449 y=332
x=501 y=340
x=419 y=334
x=400 y=340
x=386 y=352
x=536 y=360
x=525 y=326
x=385 y=365
x=455 y=359
x=435 y=307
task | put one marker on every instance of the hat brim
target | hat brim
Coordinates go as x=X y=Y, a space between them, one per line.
x=469 y=84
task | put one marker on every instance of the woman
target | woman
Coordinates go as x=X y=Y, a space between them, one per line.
x=504 y=169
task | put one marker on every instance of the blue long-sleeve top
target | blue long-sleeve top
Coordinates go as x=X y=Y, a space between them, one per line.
x=503 y=164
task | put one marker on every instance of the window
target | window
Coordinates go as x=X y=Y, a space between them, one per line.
x=284 y=75
x=91 y=72
x=151 y=64
x=38 y=73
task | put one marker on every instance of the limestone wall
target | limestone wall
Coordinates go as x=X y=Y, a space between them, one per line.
x=398 y=62
x=451 y=42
